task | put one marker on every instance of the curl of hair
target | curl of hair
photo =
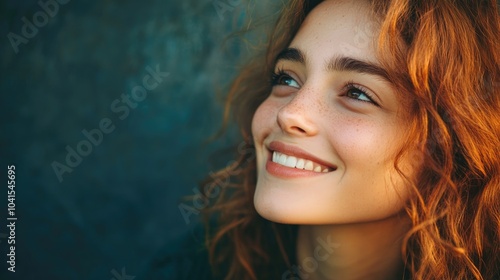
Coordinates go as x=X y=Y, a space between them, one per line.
x=443 y=58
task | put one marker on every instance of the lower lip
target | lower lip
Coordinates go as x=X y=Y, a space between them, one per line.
x=282 y=171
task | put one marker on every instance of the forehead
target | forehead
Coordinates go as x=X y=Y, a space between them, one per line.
x=335 y=28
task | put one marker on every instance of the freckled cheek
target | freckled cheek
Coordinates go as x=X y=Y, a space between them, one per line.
x=356 y=143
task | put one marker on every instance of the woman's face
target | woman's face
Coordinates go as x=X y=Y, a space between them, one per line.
x=327 y=136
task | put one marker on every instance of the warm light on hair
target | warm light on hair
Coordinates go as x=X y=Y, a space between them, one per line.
x=444 y=58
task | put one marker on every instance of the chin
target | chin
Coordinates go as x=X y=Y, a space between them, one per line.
x=283 y=208
x=274 y=208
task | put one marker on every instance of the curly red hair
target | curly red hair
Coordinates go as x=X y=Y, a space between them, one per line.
x=444 y=57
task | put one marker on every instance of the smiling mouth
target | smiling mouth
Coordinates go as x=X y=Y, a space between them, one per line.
x=299 y=163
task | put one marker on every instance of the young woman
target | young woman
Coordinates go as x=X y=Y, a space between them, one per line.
x=374 y=151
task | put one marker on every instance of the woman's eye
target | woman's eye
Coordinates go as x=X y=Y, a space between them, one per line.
x=284 y=80
x=358 y=94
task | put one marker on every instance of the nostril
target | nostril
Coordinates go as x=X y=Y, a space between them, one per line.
x=299 y=129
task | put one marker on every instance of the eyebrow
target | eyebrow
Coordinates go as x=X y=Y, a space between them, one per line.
x=339 y=63
x=291 y=54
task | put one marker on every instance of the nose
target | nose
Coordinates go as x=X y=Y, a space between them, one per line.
x=297 y=116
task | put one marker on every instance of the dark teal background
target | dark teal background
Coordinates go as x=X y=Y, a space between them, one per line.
x=120 y=204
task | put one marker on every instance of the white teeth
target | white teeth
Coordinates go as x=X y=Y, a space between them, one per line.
x=309 y=165
x=291 y=161
x=299 y=163
x=282 y=159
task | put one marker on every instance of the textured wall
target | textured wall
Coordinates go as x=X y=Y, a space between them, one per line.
x=70 y=67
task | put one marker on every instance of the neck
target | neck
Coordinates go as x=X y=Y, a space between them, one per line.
x=370 y=250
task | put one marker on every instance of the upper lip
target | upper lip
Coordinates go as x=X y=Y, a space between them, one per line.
x=297 y=152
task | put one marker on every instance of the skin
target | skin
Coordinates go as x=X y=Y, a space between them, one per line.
x=326 y=113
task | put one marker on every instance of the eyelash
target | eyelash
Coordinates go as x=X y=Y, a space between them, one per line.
x=352 y=86
x=280 y=73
